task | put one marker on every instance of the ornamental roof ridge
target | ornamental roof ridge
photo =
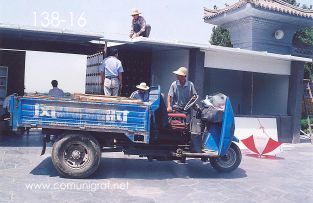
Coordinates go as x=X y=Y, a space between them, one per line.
x=271 y=5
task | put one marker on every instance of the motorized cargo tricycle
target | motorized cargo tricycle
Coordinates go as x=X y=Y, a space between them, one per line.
x=83 y=126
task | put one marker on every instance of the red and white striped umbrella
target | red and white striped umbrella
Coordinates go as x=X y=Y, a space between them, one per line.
x=261 y=144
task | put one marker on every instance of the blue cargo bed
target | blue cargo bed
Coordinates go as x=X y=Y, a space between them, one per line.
x=86 y=113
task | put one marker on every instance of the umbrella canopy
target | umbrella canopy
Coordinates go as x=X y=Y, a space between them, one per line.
x=270 y=146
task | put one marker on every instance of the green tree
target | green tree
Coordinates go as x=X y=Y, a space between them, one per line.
x=303 y=37
x=220 y=37
x=308 y=71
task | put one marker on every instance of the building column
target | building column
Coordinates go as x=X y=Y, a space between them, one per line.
x=15 y=61
x=196 y=70
x=295 y=98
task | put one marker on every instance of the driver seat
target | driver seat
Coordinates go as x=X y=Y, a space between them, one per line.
x=165 y=120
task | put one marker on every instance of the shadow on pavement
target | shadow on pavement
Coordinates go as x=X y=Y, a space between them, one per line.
x=45 y=168
x=126 y=167
x=31 y=140
x=143 y=169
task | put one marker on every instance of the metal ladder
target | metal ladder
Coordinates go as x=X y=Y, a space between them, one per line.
x=307 y=103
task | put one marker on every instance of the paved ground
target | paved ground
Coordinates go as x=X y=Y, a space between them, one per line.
x=27 y=177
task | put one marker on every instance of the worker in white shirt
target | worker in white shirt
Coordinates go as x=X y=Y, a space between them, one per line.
x=111 y=74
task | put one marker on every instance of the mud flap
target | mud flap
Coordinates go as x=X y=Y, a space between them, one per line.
x=45 y=139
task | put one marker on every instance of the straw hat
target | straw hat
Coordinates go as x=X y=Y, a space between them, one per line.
x=135 y=12
x=183 y=71
x=143 y=86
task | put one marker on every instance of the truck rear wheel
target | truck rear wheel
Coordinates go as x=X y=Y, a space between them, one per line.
x=76 y=155
x=229 y=162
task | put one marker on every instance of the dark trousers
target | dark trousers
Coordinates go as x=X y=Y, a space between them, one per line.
x=146 y=33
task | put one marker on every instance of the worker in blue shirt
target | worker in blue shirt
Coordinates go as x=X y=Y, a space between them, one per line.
x=55 y=91
x=142 y=93
x=181 y=90
x=111 y=74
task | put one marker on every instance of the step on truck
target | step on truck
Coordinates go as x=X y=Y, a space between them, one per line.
x=83 y=126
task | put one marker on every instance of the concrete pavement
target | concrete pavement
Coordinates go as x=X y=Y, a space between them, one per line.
x=25 y=176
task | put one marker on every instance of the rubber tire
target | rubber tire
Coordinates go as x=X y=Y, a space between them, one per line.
x=215 y=160
x=91 y=145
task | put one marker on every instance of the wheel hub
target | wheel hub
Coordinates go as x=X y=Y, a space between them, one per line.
x=226 y=157
x=76 y=154
x=228 y=160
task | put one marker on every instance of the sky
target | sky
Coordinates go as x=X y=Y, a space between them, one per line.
x=171 y=20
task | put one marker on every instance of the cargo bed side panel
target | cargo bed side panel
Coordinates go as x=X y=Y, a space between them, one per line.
x=93 y=116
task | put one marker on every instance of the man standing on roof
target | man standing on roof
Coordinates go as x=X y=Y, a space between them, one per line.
x=181 y=90
x=138 y=25
x=142 y=93
x=55 y=91
x=111 y=74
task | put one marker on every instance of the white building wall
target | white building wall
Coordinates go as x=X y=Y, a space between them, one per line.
x=246 y=62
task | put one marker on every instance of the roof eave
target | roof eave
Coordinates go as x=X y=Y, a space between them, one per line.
x=210 y=14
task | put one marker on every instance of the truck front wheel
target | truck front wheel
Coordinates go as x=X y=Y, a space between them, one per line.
x=76 y=155
x=229 y=162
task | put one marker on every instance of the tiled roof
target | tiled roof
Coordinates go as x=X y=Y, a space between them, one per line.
x=271 y=5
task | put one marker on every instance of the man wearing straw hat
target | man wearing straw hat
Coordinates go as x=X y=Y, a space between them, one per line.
x=142 y=93
x=138 y=25
x=181 y=90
